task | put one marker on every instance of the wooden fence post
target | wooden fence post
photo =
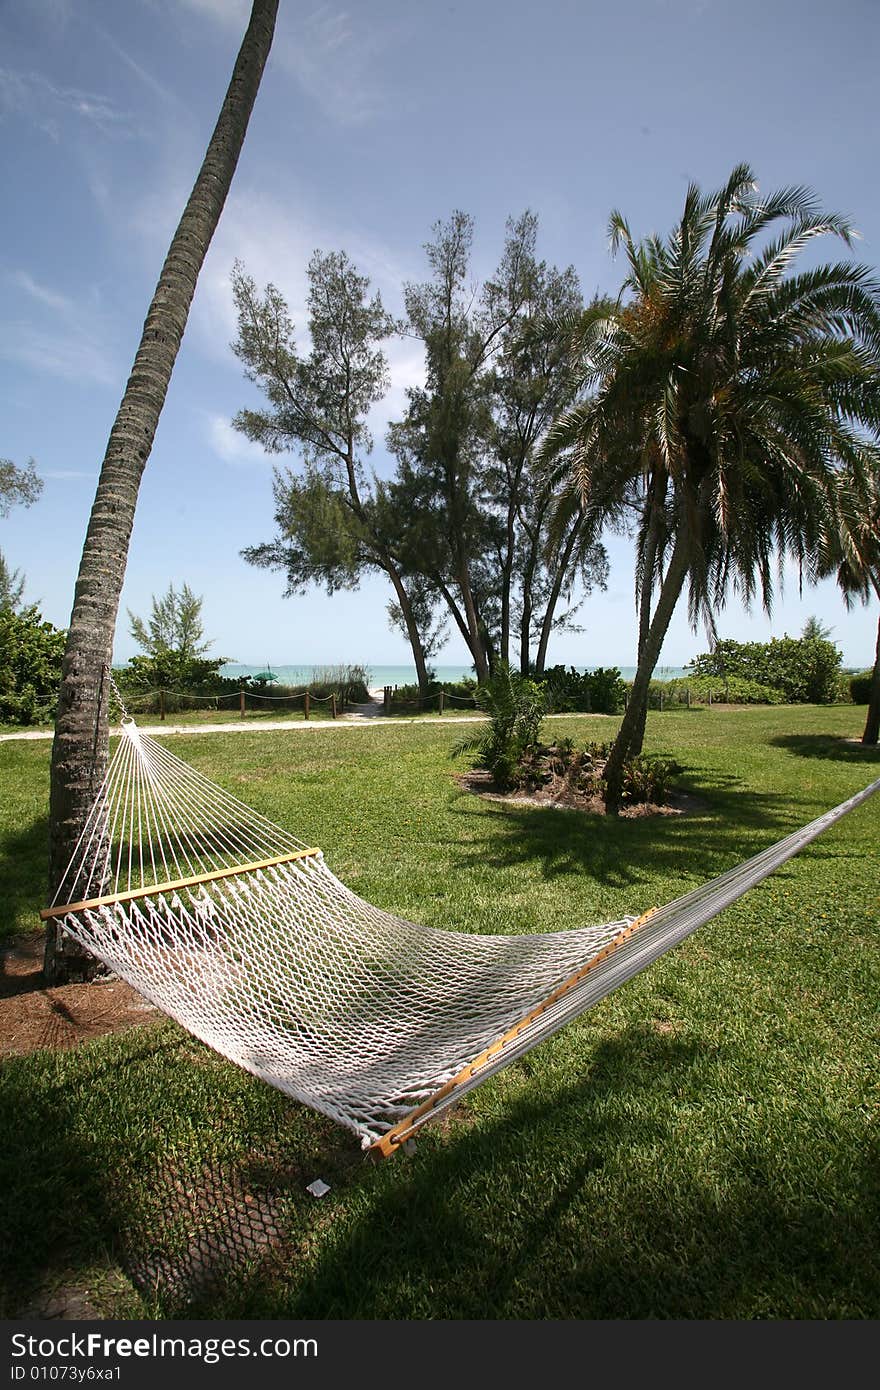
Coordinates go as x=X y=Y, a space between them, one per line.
x=440 y=702
x=333 y=703
x=161 y=704
x=241 y=703
x=386 y=699
x=689 y=697
x=306 y=705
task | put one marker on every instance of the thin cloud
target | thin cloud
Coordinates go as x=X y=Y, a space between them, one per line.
x=66 y=353
x=232 y=446
x=51 y=108
x=152 y=83
x=51 y=298
x=60 y=337
x=330 y=58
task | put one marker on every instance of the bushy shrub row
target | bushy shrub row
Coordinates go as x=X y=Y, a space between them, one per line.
x=805 y=669
x=602 y=691
x=461 y=695
x=698 y=689
x=197 y=684
x=30 y=666
x=860 y=687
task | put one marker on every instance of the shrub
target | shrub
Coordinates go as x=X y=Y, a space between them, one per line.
x=648 y=778
x=190 y=683
x=170 y=670
x=860 y=687
x=30 y=666
x=462 y=693
x=602 y=691
x=805 y=669
x=732 y=689
x=516 y=707
x=351 y=683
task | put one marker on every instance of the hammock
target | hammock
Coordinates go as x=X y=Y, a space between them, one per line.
x=243 y=935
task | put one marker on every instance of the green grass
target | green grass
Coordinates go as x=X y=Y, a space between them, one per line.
x=702 y=1144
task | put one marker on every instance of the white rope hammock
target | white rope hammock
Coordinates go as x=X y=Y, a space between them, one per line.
x=243 y=935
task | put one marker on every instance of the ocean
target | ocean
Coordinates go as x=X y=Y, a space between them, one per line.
x=406 y=675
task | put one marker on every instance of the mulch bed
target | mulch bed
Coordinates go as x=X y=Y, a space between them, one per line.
x=33 y=1016
x=560 y=794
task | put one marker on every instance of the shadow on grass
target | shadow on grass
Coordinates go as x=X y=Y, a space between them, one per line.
x=115 y=1159
x=828 y=746
x=599 y=1202
x=23 y=873
x=608 y=1194
x=735 y=822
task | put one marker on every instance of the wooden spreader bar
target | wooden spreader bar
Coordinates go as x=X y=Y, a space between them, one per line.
x=388 y=1143
x=130 y=894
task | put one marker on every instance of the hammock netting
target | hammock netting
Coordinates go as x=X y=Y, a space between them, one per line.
x=244 y=936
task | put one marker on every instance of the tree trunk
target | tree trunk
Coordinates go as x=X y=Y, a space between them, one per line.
x=412 y=629
x=457 y=615
x=506 y=584
x=872 y=723
x=547 y=624
x=476 y=643
x=638 y=737
x=525 y=629
x=669 y=594
x=79 y=752
x=529 y=570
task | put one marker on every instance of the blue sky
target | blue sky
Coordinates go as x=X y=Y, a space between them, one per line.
x=372 y=123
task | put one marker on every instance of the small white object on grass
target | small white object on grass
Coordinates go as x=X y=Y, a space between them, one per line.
x=318 y=1188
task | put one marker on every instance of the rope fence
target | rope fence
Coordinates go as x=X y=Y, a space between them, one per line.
x=169 y=702
x=437 y=701
x=164 y=702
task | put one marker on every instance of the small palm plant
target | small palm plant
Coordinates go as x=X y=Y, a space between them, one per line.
x=516 y=707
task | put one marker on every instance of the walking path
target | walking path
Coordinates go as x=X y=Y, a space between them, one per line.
x=242 y=726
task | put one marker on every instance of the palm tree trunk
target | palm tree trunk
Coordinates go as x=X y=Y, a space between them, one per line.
x=645 y=597
x=670 y=591
x=79 y=752
x=658 y=487
x=872 y=723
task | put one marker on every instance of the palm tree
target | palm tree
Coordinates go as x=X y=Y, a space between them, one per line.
x=79 y=752
x=725 y=393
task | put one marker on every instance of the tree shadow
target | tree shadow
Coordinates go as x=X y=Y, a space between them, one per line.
x=511 y=1220
x=114 y=1180
x=732 y=823
x=833 y=747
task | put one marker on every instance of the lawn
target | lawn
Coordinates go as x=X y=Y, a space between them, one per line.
x=702 y=1144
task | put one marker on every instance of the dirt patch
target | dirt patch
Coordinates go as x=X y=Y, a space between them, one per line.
x=561 y=795
x=33 y=1017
